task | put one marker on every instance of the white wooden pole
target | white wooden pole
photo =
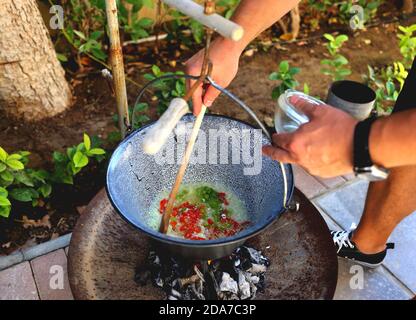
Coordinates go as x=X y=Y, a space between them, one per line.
x=224 y=27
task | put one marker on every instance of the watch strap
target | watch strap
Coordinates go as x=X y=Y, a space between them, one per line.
x=362 y=157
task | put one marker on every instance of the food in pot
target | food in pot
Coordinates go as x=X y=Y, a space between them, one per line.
x=202 y=212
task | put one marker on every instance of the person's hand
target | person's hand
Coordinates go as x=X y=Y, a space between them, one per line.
x=224 y=56
x=323 y=146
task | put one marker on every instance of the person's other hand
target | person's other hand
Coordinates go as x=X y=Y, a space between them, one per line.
x=323 y=146
x=224 y=56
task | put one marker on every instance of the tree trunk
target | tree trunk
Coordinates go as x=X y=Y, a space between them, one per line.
x=32 y=81
x=407 y=6
x=294 y=25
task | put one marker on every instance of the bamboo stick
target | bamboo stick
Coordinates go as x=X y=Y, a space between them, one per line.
x=164 y=225
x=117 y=66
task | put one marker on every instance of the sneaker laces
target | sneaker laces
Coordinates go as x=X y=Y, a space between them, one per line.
x=342 y=239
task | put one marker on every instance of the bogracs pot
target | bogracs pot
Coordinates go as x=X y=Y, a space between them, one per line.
x=134 y=179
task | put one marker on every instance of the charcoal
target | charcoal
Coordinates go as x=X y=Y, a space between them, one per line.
x=261 y=285
x=254 y=256
x=228 y=284
x=142 y=276
x=236 y=277
x=228 y=296
x=197 y=290
x=212 y=289
x=254 y=279
x=246 y=264
x=175 y=294
x=244 y=286
x=257 y=268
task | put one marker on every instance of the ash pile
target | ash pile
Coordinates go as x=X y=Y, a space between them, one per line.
x=236 y=277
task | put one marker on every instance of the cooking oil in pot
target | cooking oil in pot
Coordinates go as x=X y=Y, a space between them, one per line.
x=201 y=212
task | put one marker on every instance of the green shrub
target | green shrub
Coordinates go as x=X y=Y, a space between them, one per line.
x=285 y=76
x=68 y=164
x=336 y=66
x=369 y=11
x=227 y=7
x=20 y=183
x=167 y=89
x=85 y=24
x=387 y=83
x=407 y=44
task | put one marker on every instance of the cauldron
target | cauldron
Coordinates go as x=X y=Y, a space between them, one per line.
x=135 y=179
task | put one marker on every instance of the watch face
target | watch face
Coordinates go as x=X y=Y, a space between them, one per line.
x=373 y=173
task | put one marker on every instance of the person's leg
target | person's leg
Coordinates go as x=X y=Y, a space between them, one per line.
x=388 y=202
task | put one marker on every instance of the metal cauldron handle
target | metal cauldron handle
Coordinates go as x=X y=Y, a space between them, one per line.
x=240 y=103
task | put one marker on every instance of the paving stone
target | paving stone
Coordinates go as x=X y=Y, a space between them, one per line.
x=306 y=183
x=350 y=176
x=17 y=283
x=402 y=260
x=377 y=284
x=331 y=182
x=51 y=276
x=345 y=206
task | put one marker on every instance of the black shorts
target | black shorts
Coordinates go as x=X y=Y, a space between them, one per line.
x=407 y=97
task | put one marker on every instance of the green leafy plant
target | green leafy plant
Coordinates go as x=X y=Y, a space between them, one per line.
x=68 y=164
x=387 y=83
x=407 y=44
x=337 y=65
x=369 y=10
x=5 y=204
x=306 y=89
x=85 y=25
x=395 y=73
x=134 y=25
x=90 y=44
x=20 y=183
x=227 y=7
x=285 y=76
x=166 y=89
x=140 y=118
x=178 y=29
x=319 y=5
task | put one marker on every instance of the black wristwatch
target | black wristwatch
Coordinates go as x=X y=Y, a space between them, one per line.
x=364 y=167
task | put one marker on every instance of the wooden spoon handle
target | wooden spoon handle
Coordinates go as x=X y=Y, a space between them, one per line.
x=164 y=225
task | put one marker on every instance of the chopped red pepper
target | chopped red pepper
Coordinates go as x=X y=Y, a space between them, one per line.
x=162 y=206
x=188 y=220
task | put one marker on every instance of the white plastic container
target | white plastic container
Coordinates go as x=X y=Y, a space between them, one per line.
x=287 y=118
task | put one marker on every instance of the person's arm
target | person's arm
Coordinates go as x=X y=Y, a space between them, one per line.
x=324 y=146
x=254 y=16
x=393 y=140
